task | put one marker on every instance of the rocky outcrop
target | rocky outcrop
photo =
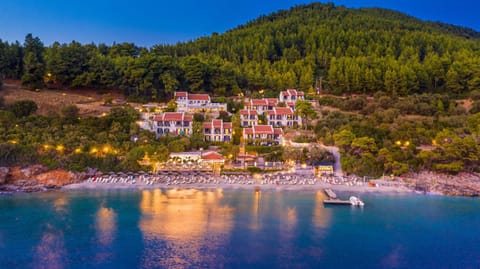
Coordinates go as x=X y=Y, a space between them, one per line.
x=463 y=184
x=3 y=174
x=56 y=178
x=35 y=178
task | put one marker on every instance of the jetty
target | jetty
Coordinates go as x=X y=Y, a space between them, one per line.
x=334 y=200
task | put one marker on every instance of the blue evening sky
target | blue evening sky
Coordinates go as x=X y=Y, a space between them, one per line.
x=150 y=22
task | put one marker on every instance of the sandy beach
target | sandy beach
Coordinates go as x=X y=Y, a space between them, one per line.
x=318 y=186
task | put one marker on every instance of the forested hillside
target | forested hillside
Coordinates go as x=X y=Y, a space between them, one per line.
x=420 y=110
x=350 y=50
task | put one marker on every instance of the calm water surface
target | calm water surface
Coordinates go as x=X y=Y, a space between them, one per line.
x=235 y=229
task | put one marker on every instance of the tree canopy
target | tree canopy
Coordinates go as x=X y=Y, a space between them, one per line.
x=350 y=50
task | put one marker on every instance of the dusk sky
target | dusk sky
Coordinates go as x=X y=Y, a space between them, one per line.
x=147 y=23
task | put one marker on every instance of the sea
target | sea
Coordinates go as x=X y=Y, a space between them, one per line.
x=215 y=228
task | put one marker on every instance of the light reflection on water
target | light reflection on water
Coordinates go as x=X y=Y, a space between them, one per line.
x=183 y=227
x=105 y=224
x=321 y=216
x=239 y=229
x=50 y=252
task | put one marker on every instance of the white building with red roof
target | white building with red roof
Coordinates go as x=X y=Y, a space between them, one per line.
x=260 y=105
x=175 y=123
x=248 y=117
x=291 y=95
x=189 y=102
x=212 y=157
x=283 y=116
x=217 y=130
x=265 y=133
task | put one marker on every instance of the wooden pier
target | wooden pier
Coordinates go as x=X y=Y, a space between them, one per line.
x=333 y=199
x=330 y=194
x=337 y=202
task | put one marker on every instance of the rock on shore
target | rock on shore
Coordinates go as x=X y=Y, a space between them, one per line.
x=463 y=184
x=35 y=178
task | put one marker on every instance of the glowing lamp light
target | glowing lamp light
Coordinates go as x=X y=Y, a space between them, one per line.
x=106 y=149
x=60 y=148
x=93 y=150
x=78 y=150
x=398 y=143
x=406 y=144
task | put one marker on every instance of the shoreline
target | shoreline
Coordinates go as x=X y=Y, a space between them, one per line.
x=253 y=187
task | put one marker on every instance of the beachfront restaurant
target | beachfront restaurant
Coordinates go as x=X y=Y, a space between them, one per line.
x=323 y=169
x=192 y=160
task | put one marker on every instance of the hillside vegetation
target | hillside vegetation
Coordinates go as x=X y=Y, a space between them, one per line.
x=397 y=94
x=352 y=50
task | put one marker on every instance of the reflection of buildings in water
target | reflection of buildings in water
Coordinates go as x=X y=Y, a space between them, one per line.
x=105 y=225
x=291 y=219
x=256 y=224
x=184 y=218
x=60 y=203
x=321 y=216
x=50 y=252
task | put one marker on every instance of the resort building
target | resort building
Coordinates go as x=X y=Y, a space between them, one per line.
x=188 y=102
x=291 y=95
x=263 y=134
x=283 y=116
x=260 y=105
x=175 y=123
x=248 y=117
x=271 y=103
x=217 y=130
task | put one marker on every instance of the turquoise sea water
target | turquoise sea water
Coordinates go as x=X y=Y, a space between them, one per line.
x=235 y=229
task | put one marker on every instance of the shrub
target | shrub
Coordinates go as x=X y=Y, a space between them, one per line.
x=23 y=108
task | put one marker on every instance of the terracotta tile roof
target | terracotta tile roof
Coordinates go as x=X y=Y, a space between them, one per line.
x=272 y=101
x=181 y=94
x=248 y=131
x=217 y=123
x=263 y=129
x=280 y=111
x=173 y=116
x=258 y=102
x=199 y=97
x=278 y=131
x=248 y=112
x=292 y=92
x=212 y=155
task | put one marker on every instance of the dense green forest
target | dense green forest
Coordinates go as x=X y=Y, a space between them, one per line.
x=349 y=50
x=401 y=94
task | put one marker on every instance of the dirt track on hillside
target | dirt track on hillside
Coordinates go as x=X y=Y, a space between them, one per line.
x=52 y=101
